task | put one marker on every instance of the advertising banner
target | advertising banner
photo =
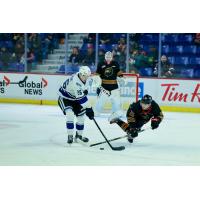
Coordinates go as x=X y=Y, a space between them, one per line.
x=167 y=92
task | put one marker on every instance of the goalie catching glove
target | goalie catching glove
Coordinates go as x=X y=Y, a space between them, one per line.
x=155 y=121
x=90 y=113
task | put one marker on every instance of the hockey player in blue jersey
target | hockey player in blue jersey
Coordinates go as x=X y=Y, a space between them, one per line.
x=73 y=102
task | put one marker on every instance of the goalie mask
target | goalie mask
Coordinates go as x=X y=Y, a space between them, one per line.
x=108 y=56
x=84 y=72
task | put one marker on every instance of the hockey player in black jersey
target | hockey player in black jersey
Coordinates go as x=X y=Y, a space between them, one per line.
x=109 y=75
x=138 y=114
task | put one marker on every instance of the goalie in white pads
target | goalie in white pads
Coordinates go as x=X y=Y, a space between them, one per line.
x=108 y=90
x=73 y=102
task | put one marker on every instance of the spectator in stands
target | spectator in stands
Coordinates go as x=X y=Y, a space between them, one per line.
x=119 y=53
x=132 y=68
x=152 y=56
x=30 y=59
x=134 y=41
x=197 y=39
x=139 y=60
x=49 y=43
x=19 y=50
x=75 y=58
x=5 y=58
x=17 y=37
x=36 y=45
x=167 y=70
x=101 y=55
x=105 y=38
x=91 y=39
x=61 y=37
x=89 y=58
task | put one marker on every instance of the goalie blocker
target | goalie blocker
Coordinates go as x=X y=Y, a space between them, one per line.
x=138 y=114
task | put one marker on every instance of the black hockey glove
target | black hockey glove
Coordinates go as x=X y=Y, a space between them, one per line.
x=85 y=92
x=98 y=91
x=155 y=121
x=90 y=113
x=133 y=132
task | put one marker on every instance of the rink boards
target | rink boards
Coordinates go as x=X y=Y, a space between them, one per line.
x=171 y=94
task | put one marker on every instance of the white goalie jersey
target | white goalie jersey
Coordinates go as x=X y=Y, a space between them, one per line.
x=75 y=90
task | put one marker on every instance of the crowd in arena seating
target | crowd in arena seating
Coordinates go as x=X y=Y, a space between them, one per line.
x=12 y=49
x=180 y=56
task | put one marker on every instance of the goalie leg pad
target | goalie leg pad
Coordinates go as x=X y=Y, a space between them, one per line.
x=115 y=100
x=100 y=102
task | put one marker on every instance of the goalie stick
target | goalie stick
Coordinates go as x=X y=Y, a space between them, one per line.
x=117 y=138
x=120 y=148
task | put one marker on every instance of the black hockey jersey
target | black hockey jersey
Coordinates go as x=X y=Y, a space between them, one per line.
x=135 y=113
x=108 y=73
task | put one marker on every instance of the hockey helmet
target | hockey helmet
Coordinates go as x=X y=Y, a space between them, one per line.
x=146 y=99
x=108 y=56
x=85 y=71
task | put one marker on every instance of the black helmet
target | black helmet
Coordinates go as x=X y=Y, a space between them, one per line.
x=146 y=99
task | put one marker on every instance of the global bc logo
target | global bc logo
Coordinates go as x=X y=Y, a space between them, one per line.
x=33 y=87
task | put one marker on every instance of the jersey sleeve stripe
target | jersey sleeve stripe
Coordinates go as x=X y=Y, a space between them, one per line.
x=83 y=100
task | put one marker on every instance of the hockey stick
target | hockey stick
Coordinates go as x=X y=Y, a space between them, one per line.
x=117 y=138
x=113 y=148
x=20 y=82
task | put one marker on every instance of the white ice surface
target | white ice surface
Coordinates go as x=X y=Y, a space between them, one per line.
x=36 y=135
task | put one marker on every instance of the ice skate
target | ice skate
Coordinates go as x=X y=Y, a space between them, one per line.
x=114 y=120
x=70 y=139
x=114 y=117
x=80 y=137
x=130 y=138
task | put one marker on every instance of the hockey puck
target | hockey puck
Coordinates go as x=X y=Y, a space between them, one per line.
x=101 y=148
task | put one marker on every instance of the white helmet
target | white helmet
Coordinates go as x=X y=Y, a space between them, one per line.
x=108 y=56
x=85 y=71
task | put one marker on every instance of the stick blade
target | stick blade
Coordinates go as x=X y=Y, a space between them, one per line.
x=118 y=148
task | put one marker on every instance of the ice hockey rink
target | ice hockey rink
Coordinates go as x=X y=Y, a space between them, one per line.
x=34 y=135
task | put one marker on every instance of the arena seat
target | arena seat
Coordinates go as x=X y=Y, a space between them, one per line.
x=197 y=73
x=185 y=38
x=146 y=71
x=170 y=38
x=187 y=73
x=190 y=49
x=171 y=60
x=181 y=61
x=195 y=61
x=165 y=49
x=178 y=49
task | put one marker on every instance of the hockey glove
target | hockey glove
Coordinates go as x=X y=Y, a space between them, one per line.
x=85 y=92
x=90 y=113
x=155 y=121
x=133 y=132
x=98 y=91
